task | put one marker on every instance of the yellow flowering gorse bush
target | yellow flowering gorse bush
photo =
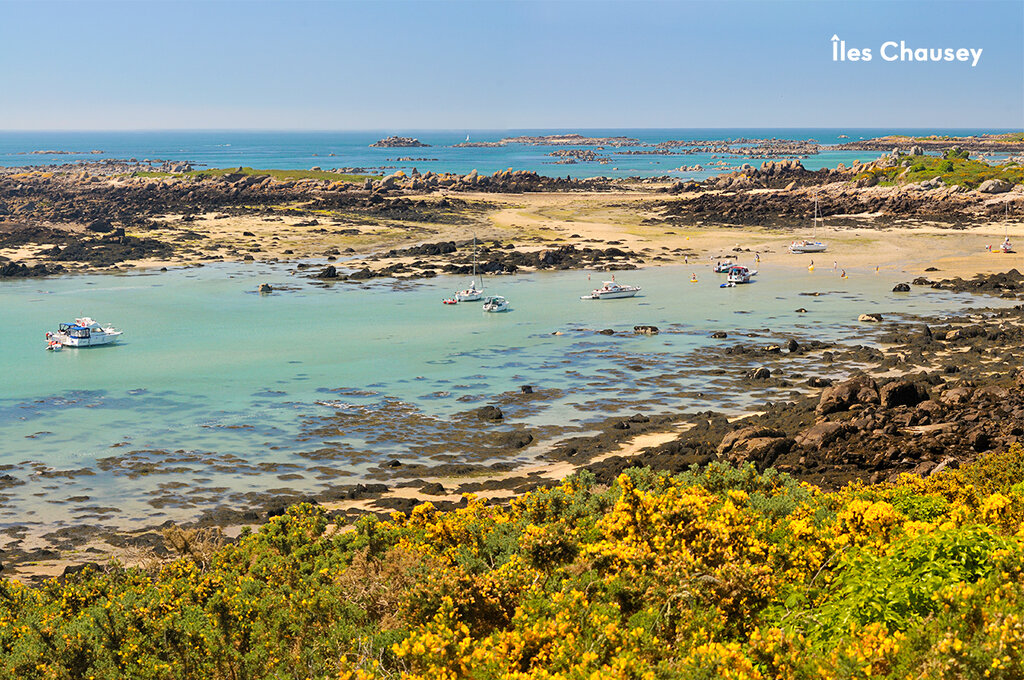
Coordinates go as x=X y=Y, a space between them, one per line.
x=721 y=573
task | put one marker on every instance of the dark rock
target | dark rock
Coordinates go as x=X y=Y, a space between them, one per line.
x=901 y=288
x=840 y=397
x=434 y=489
x=516 y=439
x=101 y=225
x=75 y=572
x=489 y=413
x=822 y=434
x=901 y=393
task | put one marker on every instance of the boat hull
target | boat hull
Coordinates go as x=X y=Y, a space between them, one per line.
x=808 y=248
x=610 y=296
x=92 y=341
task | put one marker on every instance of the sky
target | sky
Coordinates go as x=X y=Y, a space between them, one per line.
x=335 y=65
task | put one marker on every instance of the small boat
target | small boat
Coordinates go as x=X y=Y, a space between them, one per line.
x=740 y=274
x=611 y=291
x=724 y=267
x=450 y=301
x=496 y=303
x=471 y=294
x=84 y=332
x=1006 y=247
x=812 y=246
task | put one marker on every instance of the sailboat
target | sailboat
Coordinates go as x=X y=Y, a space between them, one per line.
x=813 y=246
x=471 y=294
x=1006 y=247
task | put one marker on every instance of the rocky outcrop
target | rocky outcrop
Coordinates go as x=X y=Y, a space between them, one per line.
x=994 y=186
x=395 y=142
x=840 y=397
x=901 y=393
x=489 y=413
x=18 y=270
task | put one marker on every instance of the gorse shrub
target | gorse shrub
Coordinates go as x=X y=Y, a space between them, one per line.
x=717 y=573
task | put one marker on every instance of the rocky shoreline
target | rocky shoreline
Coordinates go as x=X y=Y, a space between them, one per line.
x=108 y=214
x=935 y=393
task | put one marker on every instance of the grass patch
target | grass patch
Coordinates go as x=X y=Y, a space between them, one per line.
x=283 y=175
x=960 y=171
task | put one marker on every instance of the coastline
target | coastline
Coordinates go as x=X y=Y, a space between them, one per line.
x=630 y=219
x=605 y=448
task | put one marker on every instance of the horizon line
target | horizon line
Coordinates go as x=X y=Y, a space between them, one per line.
x=506 y=129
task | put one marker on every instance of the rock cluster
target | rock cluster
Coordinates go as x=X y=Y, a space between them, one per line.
x=872 y=428
x=395 y=142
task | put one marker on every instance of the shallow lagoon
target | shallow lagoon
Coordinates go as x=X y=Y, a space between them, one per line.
x=216 y=391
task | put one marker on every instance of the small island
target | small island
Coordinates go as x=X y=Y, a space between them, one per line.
x=398 y=142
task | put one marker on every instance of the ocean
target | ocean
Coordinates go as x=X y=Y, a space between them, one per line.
x=216 y=392
x=350 y=149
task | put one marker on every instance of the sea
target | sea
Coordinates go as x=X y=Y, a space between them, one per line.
x=218 y=396
x=351 y=149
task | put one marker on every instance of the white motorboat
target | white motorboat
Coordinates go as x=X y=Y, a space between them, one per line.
x=471 y=294
x=809 y=246
x=496 y=303
x=84 y=332
x=724 y=266
x=611 y=291
x=740 y=274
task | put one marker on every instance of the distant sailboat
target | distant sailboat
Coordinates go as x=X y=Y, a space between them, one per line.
x=467 y=137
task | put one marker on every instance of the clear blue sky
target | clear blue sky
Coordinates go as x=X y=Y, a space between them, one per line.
x=498 y=65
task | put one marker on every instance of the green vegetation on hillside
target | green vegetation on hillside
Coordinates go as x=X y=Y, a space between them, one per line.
x=722 y=573
x=998 y=137
x=276 y=174
x=950 y=169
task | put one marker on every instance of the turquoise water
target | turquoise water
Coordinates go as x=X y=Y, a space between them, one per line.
x=303 y=150
x=234 y=392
